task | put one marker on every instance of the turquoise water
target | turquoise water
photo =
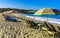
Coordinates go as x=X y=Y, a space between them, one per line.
x=49 y=16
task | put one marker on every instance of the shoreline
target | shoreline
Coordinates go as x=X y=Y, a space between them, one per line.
x=27 y=18
x=50 y=20
x=22 y=29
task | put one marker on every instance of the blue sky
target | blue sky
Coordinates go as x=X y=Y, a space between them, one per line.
x=30 y=4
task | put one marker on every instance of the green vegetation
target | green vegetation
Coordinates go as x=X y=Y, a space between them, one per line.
x=18 y=10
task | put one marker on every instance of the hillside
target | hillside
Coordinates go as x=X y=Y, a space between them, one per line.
x=19 y=10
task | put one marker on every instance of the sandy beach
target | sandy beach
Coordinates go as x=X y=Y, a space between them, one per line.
x=9 y=29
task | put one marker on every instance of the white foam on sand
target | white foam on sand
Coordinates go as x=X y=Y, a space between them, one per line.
x=50 y=20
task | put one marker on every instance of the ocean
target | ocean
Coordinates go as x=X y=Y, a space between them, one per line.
x=49 y=18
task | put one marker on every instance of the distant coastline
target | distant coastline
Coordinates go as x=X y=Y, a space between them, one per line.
x=18 y=10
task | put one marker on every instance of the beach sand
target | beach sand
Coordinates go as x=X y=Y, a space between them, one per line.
x=9 y=29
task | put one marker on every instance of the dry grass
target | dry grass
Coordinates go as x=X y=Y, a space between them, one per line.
x=20 y=30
